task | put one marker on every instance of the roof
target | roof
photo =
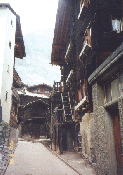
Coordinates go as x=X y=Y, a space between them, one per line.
x=8 y=5
x=110 y=66
x=34 y=86
x=27 y=93
x=60 y=32
x=19 y=43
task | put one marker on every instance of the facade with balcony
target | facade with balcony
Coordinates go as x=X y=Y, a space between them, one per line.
x=91 y=32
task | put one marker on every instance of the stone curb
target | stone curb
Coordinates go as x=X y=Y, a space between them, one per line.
x=67 y=164
x=63 y=161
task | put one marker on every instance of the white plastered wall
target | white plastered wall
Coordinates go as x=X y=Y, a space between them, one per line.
x=7 y=43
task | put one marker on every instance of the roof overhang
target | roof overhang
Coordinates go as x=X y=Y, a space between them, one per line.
x=19 y=43
x=60 y=32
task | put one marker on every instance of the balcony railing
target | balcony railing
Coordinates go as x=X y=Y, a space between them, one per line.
x=83 y=10
x=85 y=51
x=81 y=103
x=68 y=52
x=57 y=87
x=69 y=76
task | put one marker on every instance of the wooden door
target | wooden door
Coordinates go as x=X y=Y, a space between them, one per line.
x=117 y=136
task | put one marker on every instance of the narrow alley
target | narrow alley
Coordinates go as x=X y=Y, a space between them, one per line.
x=61 y=87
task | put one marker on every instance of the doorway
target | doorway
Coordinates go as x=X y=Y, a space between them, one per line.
x=117 y=137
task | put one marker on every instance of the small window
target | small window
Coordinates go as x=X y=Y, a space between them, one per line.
x=108 y=93
x=6 y=95
x=10 y=44
x=116 y=25
x=11 y=23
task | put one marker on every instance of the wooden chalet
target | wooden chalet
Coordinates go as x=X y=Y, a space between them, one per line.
x=87 y=32
x=33 y=113
x=36 y=119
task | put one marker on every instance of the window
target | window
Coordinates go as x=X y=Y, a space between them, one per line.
x=11 y=23
x=10 y=44
x=112 y=88
x=116 y=25
x=6 y=95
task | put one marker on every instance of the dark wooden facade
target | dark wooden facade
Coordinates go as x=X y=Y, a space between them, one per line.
x=87 y=32
x=36 y=119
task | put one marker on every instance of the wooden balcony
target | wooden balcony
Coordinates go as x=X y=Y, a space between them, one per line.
x=85 y=51
x=81 y=103
x=68 y=52
x=69 y=76
x=83 y=10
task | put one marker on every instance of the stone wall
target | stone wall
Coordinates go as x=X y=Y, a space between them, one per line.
x=103 y=132
x=87 y=132
x=120 y=107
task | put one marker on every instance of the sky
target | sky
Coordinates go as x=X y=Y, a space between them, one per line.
x=37 y=24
